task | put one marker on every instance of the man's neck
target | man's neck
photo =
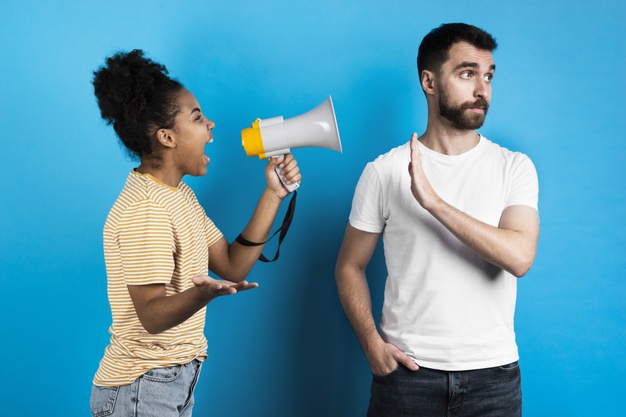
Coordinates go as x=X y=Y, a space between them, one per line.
x=448 y=140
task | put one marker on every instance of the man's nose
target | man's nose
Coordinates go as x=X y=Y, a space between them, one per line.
x=482 y=88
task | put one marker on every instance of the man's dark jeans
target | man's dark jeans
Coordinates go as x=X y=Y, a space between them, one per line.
x=492 y=392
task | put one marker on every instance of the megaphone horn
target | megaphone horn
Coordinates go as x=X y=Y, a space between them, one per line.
x=277 y=136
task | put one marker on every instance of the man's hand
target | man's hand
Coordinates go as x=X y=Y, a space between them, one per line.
x=420 y=186
x=511 y=245
x=212 y=288
x=385 y=357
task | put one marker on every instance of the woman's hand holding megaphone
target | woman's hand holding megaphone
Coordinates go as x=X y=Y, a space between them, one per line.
x=282 y=174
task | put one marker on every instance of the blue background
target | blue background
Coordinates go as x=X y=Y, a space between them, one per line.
x=286 y=348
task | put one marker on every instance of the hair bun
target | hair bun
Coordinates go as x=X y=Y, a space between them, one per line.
x=135 y=95
x=125 y=85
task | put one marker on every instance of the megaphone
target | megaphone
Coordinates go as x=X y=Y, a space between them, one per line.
x=276 y=136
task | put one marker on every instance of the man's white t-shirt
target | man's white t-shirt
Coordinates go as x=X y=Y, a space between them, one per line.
x=444 y=306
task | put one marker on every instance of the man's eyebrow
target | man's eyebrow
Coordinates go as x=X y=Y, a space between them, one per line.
x=466 y=64
x=470 y=64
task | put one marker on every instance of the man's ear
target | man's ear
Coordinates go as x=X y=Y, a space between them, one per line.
x=427 y=80
x=166 y=138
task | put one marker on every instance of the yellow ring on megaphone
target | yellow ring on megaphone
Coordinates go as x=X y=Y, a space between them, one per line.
x=251 y=140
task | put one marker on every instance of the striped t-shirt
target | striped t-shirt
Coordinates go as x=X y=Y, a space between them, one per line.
x=154 y=234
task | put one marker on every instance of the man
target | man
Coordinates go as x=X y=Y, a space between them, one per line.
x=458 y=227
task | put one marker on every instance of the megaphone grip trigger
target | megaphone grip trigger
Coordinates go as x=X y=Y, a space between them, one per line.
x=290 y=187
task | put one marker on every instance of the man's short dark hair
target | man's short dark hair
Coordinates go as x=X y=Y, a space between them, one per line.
x=433 y=50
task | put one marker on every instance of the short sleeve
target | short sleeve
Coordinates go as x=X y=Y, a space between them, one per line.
x=524 y=189
x=213 y=234
x=146 y=239
x=367 y=204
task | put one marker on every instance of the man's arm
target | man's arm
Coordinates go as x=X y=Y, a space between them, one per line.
x=511 y=246
x=354 y=255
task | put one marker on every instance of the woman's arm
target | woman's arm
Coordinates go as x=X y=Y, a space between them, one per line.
x=234 y=261
x=158 y=312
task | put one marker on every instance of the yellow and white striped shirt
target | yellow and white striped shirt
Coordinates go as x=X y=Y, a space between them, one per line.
x=154 y=234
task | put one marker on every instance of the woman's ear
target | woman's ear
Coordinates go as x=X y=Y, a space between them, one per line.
x=165 y=138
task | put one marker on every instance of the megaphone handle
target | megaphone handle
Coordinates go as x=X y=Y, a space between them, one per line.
x=290 y=187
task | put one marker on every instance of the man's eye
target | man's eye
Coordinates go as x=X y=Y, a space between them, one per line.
x=466 y=74
x=488 y=77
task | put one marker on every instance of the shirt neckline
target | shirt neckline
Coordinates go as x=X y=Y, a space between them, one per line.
x=153 y=178
x=453 y=158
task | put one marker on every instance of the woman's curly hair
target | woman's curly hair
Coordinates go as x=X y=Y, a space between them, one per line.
x=137 y=97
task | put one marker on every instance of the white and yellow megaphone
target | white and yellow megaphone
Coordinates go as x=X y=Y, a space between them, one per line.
x=276 y=136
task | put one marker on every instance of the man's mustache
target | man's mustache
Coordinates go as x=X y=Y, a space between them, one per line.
x=478 y=104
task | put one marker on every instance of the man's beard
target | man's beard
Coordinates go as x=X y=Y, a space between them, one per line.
x=459 y=116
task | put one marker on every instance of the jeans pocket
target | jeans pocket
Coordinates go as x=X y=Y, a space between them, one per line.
x=376 y=376
x=198 y=367
x=102 y=400
x=171 y=373
x=510 y=367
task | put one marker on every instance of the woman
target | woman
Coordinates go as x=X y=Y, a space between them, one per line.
x=158 y=242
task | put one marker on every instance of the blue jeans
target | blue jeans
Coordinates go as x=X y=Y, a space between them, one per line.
x=163 y=392
x=492 y=392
